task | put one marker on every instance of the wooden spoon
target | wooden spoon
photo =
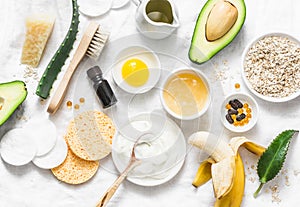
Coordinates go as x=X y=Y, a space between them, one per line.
x=133 y=162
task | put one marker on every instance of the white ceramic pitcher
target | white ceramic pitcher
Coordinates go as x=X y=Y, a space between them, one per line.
x=156 y=19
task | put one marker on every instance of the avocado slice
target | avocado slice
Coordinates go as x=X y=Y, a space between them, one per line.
x=12 y=94
x=201 y=49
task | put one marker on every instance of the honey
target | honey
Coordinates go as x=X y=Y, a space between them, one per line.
x=237 y=86
x=69 y=104
x=228 y=106
x=76 y=106
x=185 y=94
x=81 y=100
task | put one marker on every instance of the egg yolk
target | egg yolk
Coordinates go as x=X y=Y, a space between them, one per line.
x=135 y=72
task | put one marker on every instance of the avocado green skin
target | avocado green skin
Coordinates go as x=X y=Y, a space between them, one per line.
x=202 y=50
x=18 y=100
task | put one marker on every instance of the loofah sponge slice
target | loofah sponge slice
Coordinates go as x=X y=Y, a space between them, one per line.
x=39 y=28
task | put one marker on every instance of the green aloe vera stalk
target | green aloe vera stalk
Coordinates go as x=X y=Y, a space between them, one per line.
x=59 y=58
x=271 y=162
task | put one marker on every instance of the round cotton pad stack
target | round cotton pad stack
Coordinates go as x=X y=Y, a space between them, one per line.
x=90 y=135
x=17 y=147
x=44 y=134
x=75 y=170
x=119 y=3
x=94 y=8
x=53 y=158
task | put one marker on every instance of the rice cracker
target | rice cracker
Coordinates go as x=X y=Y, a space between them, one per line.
x=75 y=170
x=90 y=135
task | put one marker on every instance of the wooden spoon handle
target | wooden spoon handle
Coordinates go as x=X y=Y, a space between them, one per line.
x=113 y=188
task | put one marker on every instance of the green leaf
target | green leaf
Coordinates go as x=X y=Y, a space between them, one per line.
x=271 y=162
x=59 y=58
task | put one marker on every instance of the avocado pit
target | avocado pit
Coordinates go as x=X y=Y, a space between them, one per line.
x=220 y=20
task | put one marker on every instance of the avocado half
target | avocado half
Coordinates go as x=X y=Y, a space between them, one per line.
x=12 y=94
x=201 y=50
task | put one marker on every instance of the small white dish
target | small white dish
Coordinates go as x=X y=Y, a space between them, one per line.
x=244 y=98
x=246 y=81
x=169 y=148
x=205 y=82
x=148 y=57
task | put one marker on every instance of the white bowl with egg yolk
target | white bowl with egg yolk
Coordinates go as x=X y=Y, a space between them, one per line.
x=185 y=94
x=136 y=69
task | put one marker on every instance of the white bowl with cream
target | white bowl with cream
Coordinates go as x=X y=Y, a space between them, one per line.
x=185 y=94
x=162 y=154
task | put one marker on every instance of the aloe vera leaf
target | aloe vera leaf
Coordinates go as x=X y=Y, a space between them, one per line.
x=271 y=162
x=59 y=58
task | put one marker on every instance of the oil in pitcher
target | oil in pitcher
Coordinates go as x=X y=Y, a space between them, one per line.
x=160 y=11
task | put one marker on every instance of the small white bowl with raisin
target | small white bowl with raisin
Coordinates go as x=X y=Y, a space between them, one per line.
x=239 y=112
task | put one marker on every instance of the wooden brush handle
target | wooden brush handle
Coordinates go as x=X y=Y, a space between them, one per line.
x=113 y=188
x=59 y=95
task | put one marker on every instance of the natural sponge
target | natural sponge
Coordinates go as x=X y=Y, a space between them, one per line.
x=38 y=30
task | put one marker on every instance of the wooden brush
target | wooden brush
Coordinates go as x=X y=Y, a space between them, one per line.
x=91 y=44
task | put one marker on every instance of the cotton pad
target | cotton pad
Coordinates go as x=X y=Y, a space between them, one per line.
x=44 y=133
x=53 y=158
x=94 y=8
x=17 y=147
x=119 y=3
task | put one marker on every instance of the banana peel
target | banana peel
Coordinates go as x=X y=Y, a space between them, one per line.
x=204 y=173
x=228 y=172
x=236 y=142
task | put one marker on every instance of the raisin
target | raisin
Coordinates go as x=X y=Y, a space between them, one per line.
x=232 y=111
x=241 y=117
x=233 y=104
x=229 y=119
x=238 y=103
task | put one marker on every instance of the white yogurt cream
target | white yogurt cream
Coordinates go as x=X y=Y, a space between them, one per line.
x=159 y=153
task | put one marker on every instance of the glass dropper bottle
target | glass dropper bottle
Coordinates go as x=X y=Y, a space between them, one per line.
x=102 y=87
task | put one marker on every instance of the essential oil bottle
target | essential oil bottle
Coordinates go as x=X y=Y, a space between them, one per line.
x=102 y=87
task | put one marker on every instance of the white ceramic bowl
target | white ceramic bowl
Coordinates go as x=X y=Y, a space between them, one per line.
x=168 y=146
x=246 y=81
x=244 y=98
x=205 y=81
x=148 y=57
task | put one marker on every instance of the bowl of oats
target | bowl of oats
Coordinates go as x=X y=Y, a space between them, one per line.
x=271 y=67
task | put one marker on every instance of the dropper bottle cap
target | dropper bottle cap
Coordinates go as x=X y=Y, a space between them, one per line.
x=102 y=87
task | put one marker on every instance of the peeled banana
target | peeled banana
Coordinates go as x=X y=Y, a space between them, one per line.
x=222 y=171
x=235 y=196
x=228 y=172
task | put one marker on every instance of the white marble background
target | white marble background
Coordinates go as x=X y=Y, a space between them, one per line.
x=33 y=187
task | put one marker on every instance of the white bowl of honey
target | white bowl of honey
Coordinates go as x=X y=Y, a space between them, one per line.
x=185 y=94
